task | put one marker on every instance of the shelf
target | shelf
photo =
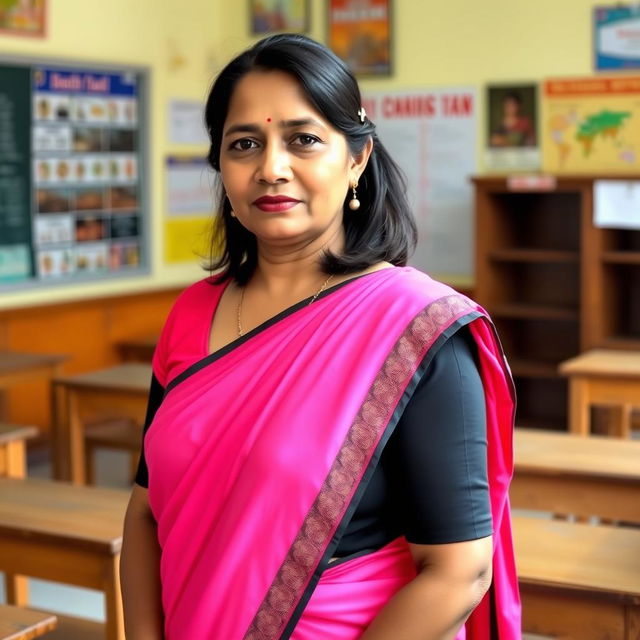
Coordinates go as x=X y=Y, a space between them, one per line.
x=527 y=311
x=527 y=368
x=621 y=257
x=535 y=255
x=626 y=343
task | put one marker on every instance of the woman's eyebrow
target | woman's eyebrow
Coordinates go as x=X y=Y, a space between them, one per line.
x=285 y=124
x=236 y=128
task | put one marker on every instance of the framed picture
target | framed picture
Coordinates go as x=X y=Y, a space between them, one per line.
x=269 y=16
x=360 y=33
x=512 y=127
x=615 y=37
x=23 y=18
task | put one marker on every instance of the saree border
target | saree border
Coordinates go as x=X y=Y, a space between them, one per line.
x=355 y=463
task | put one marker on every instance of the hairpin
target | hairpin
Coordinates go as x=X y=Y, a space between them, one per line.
x=362 y=114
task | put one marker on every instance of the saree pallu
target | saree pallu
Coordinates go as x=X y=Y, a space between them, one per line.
x=260 y=452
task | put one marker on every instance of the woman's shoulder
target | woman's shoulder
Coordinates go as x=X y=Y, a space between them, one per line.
x=411 y=282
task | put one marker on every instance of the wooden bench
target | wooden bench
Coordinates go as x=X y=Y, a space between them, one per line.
x=64 y=533
x=119 y=392
x=17 y=368
x=18 y=623
x=122 y=435
x=138 y=348
x=603 y=377
x=578 y=581
x=570 y=474
x=13 y=453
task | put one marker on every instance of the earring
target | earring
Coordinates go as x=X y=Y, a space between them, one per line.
x=233 y=213
x=354 y=203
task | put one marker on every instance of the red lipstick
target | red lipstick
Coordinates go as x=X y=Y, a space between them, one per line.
x=274 y=204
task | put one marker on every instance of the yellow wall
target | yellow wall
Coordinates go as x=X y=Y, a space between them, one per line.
x=436 y=43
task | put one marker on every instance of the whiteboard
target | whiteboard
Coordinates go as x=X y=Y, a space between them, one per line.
x=431 y=134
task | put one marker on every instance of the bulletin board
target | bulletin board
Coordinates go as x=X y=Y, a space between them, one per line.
x=73 y=187
x=432 y=134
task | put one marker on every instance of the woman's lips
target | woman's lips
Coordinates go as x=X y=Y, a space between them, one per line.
x=273 y=204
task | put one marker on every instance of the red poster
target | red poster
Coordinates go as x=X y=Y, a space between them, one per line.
x=360 y=33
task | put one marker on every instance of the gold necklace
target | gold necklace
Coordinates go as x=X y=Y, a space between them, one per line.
x=315 y=297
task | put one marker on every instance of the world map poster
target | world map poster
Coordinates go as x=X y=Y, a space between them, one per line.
x=591 y=125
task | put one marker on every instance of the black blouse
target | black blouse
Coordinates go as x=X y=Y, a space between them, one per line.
x=431 y=482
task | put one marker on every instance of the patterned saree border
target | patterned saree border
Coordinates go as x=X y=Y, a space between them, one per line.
x=358 y=447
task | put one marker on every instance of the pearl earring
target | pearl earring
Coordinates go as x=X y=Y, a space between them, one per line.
x=354 y=203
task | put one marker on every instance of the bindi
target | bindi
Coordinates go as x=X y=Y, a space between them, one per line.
x=268 y=119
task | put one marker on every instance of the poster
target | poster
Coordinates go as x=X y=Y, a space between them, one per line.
x=360 y=33
x=267 y=16
x=23 y=17
x=190 y=205
x=431 y=134
x=512 y=128
x=71 y=160
x=591 y=125
x=616 y=37
x=16 y=260
x=186 y=123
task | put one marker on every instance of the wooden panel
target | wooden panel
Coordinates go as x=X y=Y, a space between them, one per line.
x=572 y=616
x=87 y=331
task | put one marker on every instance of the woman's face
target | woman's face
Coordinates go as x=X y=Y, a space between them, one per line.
x=285 y=169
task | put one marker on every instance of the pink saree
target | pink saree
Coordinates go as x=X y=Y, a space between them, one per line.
x=260 y=452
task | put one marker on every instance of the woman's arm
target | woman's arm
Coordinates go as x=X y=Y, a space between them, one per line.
x=140 y=571
x=451 y=581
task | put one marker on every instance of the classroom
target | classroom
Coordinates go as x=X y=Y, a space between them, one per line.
x=319 y=319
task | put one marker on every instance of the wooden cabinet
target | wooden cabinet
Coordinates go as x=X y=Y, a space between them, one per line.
x=554 y=284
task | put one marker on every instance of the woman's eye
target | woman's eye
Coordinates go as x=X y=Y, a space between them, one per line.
x=244 y=144
x=305 y=140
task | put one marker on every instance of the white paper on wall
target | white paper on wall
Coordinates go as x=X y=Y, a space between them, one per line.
x=431 y=134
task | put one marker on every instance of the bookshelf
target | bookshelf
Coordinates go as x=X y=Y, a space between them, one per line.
x=554 y=284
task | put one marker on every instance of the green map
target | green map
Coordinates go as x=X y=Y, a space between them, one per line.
x=606 y=124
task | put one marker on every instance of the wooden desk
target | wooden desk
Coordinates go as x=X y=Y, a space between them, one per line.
x=138 y=349
x=578 y=581
x=18 y=367
x=566 y=473
x=18 y=623
x=13 y=455
x=56 y=531
x=603 y=377
x=117 y=392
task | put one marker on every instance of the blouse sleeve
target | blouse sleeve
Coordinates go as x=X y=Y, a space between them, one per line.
x=438 y=452
x=156 y=393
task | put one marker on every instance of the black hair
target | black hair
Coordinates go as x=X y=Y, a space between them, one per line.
x=513 y=95
x=382 y=229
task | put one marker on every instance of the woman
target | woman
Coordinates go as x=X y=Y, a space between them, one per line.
x=316 y=453
x=514 y=128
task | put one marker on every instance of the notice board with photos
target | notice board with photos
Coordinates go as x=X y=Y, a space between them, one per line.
x=73 y=193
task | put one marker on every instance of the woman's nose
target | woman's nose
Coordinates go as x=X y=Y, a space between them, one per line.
x=274 y=165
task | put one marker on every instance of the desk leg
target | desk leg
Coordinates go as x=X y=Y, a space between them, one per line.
x=60 y=432
x=113 y=600
x=17 y=589
x=76 y=440
x=579 y=407
x=4 y=406
x=16 y=459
